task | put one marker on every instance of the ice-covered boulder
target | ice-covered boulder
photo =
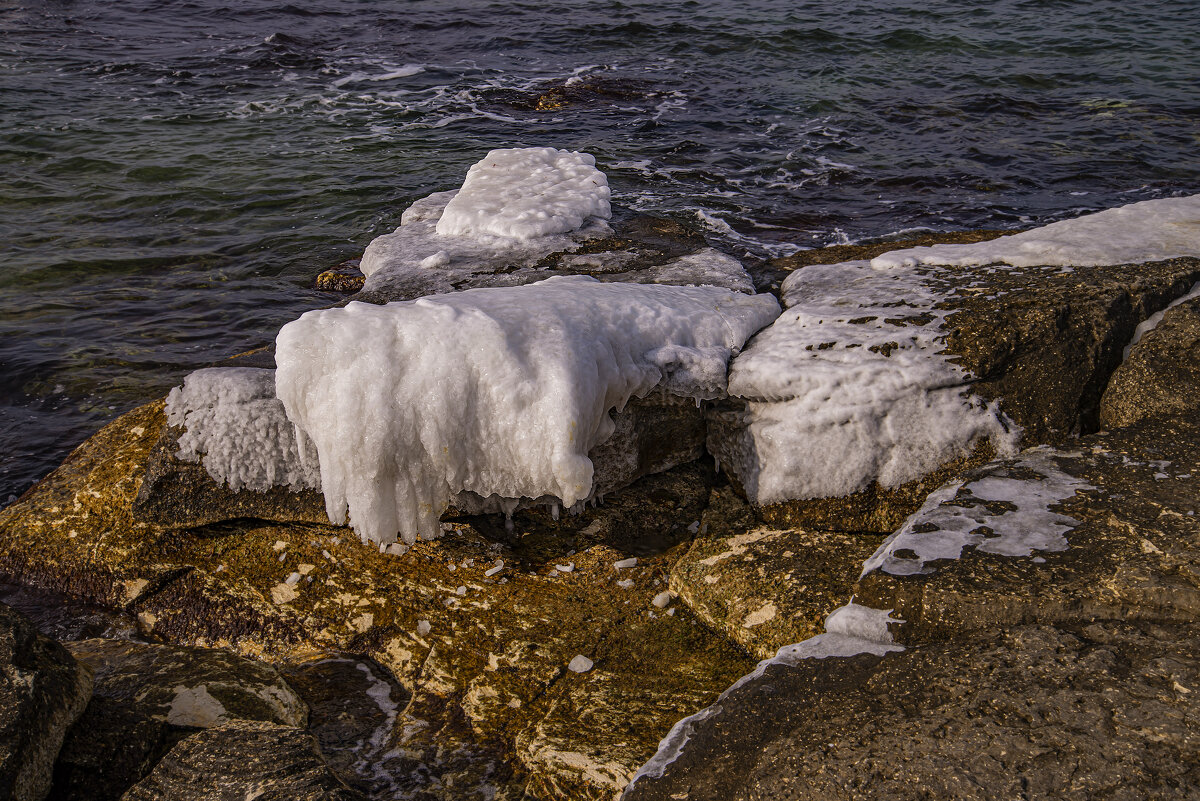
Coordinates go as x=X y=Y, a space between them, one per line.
x=881 y=372
x=498 y=392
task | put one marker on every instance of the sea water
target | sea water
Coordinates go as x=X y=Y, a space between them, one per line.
x=175 y=173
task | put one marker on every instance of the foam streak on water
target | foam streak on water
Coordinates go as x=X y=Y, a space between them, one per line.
x=174 y=173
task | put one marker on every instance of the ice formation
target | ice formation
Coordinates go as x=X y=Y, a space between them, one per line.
x=1018 y=522
x=1152 y=230
x=849 y=386
x=235 y=426
x=527 y=193
x=493 y=391
x=514 y=207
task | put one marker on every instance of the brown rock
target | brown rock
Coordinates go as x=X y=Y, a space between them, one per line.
x=1161 y=374
x=42 y=692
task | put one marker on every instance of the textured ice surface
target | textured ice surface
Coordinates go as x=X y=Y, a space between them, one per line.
x=237 y=429
x=416 y=260
x=850 y=630
x=849 y=386
x=1006 y=512
x=1152 y=230
x=493 y=391
x=526 y=193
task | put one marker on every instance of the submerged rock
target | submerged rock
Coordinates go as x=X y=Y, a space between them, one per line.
x=43 y=690
x=243 y=759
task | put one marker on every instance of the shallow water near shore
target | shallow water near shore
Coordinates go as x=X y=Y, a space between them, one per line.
x=176 y=173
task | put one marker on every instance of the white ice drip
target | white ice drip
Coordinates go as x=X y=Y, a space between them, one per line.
x=494 y=391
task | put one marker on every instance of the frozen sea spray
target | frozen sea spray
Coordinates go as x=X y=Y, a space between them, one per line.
x=493 y=391
x=515 y=206
x=235 y=426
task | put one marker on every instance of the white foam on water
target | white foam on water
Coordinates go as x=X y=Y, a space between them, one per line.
x=493 y=391
x=1152 y=230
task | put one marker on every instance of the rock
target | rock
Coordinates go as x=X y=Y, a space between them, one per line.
x=617 y=718
x=243 y=759
x=149 y=697
x=109 y=749
x=182 y=494
x=1048 y=344
x=1039 y=343
x=652 y=435
x=353 y=707
x=644 y=249
x=42 y=692
x=768 y=588
x=1103 y=710
x=1161 y=374
x=189 y=687
x=1129 y=541
x=345 y=278
x=456 y=736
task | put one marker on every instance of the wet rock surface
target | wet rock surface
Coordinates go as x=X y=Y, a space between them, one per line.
x=147 y=698
x=1103 y=710
x=43 y=690
x=243 y=759
x=1161 y=375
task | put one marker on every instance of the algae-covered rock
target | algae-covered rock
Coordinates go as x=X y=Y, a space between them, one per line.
x=243 y=759
x=43 y=690
x=768 y=588
x=1161 y=374
x=1104 y=710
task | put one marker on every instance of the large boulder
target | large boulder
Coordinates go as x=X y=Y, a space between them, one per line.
x=1103 y=710
x=43 y=690
x=1161 y=372
x=1030 y=345
x=243 y=759
x=149 y=697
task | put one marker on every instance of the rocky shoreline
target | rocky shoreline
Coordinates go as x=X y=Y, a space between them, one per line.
x=1065 y=672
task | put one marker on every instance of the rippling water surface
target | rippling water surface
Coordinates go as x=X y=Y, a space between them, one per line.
x=174 y=173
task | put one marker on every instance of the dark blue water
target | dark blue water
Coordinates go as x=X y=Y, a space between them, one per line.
x=174 y=173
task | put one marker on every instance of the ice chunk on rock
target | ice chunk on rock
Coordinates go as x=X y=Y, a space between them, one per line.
x=1152 y=230
x=525 y=193
x=235 y=426
x=849 y=386
x=493 y=391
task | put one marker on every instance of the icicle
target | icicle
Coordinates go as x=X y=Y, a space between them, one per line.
x=554 y=511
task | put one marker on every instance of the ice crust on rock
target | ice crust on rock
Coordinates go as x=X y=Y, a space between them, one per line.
x=235 y=426
x=1152 y=230
x=417 y=260
x=957 y=516
x=527 y=193
x=493 y=391
x=1151 y=322
x=849 y=386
